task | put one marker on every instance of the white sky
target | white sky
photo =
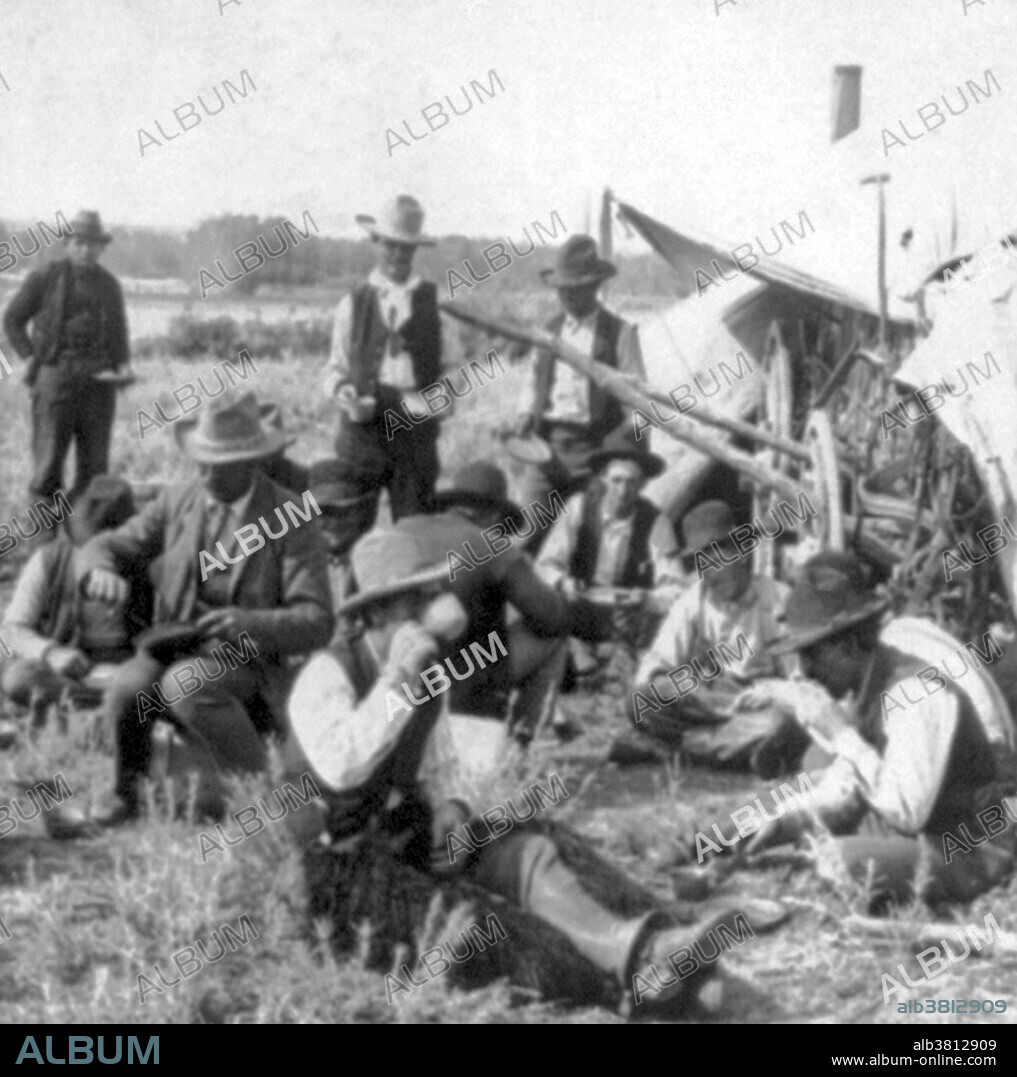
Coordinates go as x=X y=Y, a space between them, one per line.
x=720 y=122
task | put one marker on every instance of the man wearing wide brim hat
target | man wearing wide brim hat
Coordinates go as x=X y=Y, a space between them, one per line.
x=55 y=634
x=573 y=415
x=912 y=740
x=482 y=485
x=477 y=532
x=386 y=348
x=79 y=331
x=240 y=564
x=610 y=537
x=402 y=782
x=710 y=648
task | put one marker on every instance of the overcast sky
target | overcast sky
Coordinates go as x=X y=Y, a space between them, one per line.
x=716 y=121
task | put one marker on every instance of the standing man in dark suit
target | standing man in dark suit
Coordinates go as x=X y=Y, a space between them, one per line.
x=78 y=331
x=214 y=583
x=561 y=405
x=386 y=347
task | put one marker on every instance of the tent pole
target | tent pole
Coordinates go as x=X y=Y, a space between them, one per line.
x=880 y=180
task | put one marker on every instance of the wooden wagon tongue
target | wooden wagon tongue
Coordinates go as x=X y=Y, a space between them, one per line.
x=635 y=394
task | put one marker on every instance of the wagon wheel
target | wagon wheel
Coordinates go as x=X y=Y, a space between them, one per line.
x=824 y=476
x=775 y=416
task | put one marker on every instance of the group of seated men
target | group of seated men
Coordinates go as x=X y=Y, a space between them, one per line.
x=164 y=600
x=264 y=600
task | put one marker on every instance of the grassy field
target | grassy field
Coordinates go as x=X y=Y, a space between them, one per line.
x=86 y=918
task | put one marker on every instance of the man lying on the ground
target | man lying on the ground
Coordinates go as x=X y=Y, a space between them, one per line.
x=56 y=634
x=908 y=755
x=711 y=647
x=611 y=537
x=213 y=588
x=384 y=800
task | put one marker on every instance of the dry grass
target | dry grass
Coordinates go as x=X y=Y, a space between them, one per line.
x=87 y=918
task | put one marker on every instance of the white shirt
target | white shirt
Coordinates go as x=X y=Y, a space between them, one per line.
x=697 y=622
x=556 y=554
x=570 y=390
x=396 y=303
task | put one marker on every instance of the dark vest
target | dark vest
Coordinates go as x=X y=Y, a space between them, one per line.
x=605 y=411
x=637 y=569
x=421 y=335
x=972 y=763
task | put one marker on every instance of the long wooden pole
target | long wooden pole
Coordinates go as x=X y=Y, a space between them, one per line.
x=734 y=426
x=880 y=180
x=629 y=391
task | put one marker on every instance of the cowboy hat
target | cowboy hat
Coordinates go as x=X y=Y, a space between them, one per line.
x=104 y=504
x=391 y=562
x=87 y=225
x=578 y=263
x=481 y=484
x=170 y=641
x=708 y=522
x=229 y=429
x=618 y=447
x=402 y=219
x=833 y=593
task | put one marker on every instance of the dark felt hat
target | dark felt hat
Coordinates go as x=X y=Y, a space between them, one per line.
x=105 y=503
x=87 y=224
x=708 y=522
x=329 y=483
x=169 y=642
x=618 y=447
x=578 y=263
x=392 y=561
x=833 y=592
x=482 y=484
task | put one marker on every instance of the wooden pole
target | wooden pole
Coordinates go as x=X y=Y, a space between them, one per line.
x=734 y=426
x=631 y=392
x=880 y=180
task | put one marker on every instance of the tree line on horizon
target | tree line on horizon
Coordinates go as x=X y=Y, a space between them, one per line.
x=153 y=253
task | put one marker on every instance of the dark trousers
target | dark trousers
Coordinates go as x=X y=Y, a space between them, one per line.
x=68 y=409
x=213 y=716
x=896 y=862
x=406 y=465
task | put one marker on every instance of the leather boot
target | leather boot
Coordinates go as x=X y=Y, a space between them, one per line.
x=527 y=869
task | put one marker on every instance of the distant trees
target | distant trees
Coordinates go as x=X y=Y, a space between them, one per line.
x=319 y=260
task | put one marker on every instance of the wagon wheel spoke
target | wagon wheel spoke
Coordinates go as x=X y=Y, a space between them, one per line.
x=776 y=416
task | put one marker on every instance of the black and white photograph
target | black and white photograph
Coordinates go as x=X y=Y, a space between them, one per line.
x=512 y=521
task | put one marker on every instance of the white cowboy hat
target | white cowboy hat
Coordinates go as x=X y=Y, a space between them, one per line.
x=402 y=219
